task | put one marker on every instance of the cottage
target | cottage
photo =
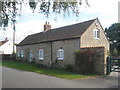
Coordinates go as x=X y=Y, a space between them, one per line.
x=61 y=43
x=6 y=47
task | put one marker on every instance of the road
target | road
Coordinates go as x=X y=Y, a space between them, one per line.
x=14 y=78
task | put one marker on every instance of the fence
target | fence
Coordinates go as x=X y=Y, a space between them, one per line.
x=112 y=64
x=5 y=56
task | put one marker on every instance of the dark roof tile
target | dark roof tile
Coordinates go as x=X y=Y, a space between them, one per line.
x=66 y=32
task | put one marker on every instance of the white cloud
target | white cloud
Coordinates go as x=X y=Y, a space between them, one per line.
x=102 y=7
x=33 y=26
x=105 y=10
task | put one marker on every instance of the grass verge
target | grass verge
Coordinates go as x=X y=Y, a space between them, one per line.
x=33 y=68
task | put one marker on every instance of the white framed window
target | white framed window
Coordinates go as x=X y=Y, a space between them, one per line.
x=18 y=53
x=41 y=54
x=96 y=33
x=22 y=53
x=60 y=54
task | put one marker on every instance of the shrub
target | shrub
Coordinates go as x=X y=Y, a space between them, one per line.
x=41 y=65
x=33 y=61
x=21 y=59
x=67 y=67
x=84 y=60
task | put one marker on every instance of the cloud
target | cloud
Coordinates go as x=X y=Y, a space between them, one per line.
x=101 y=6
x=29 y=23
x=33 y=26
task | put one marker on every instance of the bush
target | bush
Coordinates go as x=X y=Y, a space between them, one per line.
x=41 y=65
x=20 y=59
x=67 y=67
x=33 y=61
x=84 y=60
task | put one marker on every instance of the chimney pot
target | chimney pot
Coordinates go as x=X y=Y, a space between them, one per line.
x=46 y=22
x=47 y=26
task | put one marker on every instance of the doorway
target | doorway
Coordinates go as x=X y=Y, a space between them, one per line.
x=31 y=56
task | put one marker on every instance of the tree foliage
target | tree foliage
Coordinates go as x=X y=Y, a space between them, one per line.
x=10 y=9
x=113 y=34
x=8 y=13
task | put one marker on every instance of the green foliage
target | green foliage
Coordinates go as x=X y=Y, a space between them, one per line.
x=77 y=52
x=41 y=65
x=21 y=59
x=108 y=53
x=8 y=12
x=7 y=63
x=113 y=34
x=33 y=60
x=84 y=60
x=51 y=72
x=10 y=9
x=67 y=67
x=32 y=4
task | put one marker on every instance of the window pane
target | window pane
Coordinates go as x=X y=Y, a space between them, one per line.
x=31 y=54
x=41 y=54
x=22 y=53
x=96 y=33
x=60 y=54
x=18 y=53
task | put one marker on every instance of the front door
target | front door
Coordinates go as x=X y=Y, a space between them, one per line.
x=30 y=56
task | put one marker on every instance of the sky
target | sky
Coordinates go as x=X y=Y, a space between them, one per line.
x=30 y=23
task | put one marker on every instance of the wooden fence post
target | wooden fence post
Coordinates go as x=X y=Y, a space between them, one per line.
x=108 y=65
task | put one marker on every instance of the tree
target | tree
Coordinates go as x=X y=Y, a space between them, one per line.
x=11 y=8
x=113 y=34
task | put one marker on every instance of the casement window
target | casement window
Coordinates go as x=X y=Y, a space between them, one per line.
x=60 y=54
x=18 y=53
x=96 y=33
x=41 y=54
x=22 y=53
x=31 y=53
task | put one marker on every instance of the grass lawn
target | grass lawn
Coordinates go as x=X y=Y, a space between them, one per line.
x=0 y=63
x=33 y=68
x=7 y=63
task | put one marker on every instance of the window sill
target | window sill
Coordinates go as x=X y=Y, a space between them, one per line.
x=97 y=38
x=60 y=59
x=41 y=59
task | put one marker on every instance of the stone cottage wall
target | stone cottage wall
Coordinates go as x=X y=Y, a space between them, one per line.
x=88 y=40
x=69 y=47
x=35 y=51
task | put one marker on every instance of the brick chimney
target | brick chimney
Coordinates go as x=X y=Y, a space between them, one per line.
x=47 y=26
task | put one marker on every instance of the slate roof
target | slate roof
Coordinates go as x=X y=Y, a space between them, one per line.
x=2 y=42
x=66 y=32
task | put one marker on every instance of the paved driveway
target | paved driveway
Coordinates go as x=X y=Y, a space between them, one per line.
x=13 y=78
